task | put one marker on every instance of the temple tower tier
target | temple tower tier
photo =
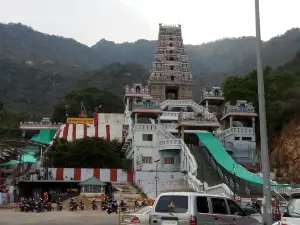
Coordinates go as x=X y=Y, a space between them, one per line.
x=170 y=73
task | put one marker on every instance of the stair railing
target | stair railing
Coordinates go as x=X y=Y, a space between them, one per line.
x=278 y=196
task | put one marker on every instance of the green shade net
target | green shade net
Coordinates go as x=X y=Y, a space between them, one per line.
x=221 y=156
x=45 y=136
x=27 y=158
x=11 y=162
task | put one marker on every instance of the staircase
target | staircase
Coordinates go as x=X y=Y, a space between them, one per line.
x=206 y=172
x=126 y=191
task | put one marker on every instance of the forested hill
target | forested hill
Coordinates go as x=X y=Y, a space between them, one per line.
x=210 y=61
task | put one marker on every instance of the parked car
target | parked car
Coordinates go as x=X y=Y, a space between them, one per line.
x=291 y=215
x=141 y=216
x=181 y=208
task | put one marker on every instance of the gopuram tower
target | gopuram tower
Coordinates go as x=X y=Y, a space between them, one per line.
x=170 y=73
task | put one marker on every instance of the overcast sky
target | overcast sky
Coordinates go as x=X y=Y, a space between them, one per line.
x=88 y=21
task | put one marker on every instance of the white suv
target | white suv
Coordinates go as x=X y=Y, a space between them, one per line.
x=182 y=208
x=291 y=216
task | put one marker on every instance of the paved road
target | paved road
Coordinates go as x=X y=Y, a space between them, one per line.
x=12 y=217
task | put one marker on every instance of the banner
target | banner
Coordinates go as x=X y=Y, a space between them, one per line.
x=80 y=120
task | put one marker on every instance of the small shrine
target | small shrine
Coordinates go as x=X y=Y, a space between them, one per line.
x=197 y=121
x=213 y=96
x=242 y=114
x=146 y=111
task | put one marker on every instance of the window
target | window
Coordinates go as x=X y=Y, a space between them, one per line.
x=171 y=67
x=218 y=206
x=234 y=209
x=172 y=203
x=147 y=137
x=202 y=205
x=171 y=44
x=246 y=138
x=169 y=160
x=147 y=159
x=91 y=189
x=172 y=78
x=236 y=138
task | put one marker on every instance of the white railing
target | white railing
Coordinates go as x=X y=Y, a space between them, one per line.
x=226 y=190
x=193 y=182
x=282 y=190
x=235 y=130
x=243 y=130
x=224 y=134
x=185 y=103
x=175 y=114
x=220 y=188
x=166 y=133
x=278 y=196
x=146 y=127
x=169 y=143
x=170 y=126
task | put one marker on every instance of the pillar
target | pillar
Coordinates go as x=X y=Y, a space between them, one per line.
x=158 y=119
x=182 y=133
x=206 y=104
x=231 y=121
x=253 y=122
x=135 y=118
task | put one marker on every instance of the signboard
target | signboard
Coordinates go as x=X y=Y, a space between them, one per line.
x=80 y=120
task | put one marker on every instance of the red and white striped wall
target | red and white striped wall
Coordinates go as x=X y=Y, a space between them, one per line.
x=107 y=125
x=82 y=174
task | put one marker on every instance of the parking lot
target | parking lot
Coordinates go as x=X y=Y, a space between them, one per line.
x=54 y=218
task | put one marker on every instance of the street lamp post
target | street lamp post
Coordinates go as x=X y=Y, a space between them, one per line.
x=267 y=207
x=156 y=177
x=234 y=181
x=186 y=180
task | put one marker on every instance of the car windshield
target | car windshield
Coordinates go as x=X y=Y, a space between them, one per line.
x=294 y=208
x=172 y=204
x=142 y=210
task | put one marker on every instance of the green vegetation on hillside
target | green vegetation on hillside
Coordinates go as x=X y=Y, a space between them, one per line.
x=37 y=69
x=91 y=98
x=90 y=152
x=282 y=95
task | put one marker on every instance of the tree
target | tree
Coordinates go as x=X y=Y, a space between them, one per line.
x=91 y=98
x=282 y=94
x=90 y=152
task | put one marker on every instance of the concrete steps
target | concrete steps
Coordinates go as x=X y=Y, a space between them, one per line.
x=127 y=191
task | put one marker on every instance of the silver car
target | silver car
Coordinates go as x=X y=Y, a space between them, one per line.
x=182 y=208
x=140 y=216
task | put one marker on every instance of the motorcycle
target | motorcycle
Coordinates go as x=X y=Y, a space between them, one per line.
x=94 y=205
x=112 y=207
x=59 y=205
x=81 y=206
x=73 y=206
x=103 y=205
x=123 y=206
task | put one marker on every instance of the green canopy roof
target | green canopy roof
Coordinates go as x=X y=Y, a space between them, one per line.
x=27 y=158
x=93 y=181
x=45 y=136
x=11 y=162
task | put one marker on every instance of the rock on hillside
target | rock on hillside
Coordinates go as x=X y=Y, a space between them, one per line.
x=285 y=155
